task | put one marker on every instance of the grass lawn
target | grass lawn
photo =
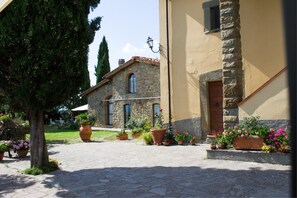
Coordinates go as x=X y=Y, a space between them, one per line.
x=55 y=135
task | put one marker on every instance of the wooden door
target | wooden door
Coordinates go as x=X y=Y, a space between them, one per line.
x=216 y=105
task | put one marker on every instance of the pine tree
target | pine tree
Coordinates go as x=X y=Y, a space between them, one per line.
x=43 y=58
x=103 y=66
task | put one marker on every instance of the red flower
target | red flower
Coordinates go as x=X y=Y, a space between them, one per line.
x=161 y=110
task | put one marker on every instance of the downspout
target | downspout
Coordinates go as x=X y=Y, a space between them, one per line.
x=168 y=66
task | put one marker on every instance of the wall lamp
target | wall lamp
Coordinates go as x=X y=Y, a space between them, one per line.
x=150 y=43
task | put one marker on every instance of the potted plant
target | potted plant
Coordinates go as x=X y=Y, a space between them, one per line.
x=122 y=135
x=250 y=134
x=21 y=147
x=192 y=139
x=136 y=133
x=168 y=139
x=147 y=138
x=3 y=148
x=85 y=120
x=181 y=137
x=158 y=132
x=213 y=143
x=279 y=139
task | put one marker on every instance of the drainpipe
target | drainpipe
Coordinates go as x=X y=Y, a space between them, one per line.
x=168 y=66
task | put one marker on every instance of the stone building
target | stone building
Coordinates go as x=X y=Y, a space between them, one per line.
x=225 y=63
x=132 y=89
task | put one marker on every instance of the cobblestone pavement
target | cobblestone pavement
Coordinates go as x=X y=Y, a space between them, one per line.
x=130 y=169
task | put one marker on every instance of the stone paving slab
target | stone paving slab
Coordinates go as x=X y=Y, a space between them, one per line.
x=130 y=169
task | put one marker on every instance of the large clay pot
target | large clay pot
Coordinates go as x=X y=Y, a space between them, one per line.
x=1 y=156
x=22 y=153
x=158 y=135
x=85 y=132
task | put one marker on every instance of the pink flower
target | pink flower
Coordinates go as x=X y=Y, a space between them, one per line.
x=242 y=135
x=230 y=133
x=17 y=147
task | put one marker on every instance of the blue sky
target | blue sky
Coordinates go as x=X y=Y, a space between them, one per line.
x=126 y=26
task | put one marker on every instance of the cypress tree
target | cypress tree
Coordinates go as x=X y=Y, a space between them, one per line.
x=103 y=66
x=43 y=58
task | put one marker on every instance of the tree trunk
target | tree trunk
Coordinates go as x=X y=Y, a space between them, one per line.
x=38 y=149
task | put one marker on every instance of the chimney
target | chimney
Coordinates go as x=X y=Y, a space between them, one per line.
x=121 y=61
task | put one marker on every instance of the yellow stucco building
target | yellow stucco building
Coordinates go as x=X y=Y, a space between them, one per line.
x=226 y=61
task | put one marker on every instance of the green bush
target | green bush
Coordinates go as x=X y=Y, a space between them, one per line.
x=148 y=138
x=136 y=130
x=141 y=122
x=53 y=165
x=33 y=171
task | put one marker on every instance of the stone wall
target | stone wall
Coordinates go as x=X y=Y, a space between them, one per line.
x=141 y=102
x=232 y=60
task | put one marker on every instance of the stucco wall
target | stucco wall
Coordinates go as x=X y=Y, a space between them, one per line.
x=262 y=41
x=192 y=53
x=270 y=103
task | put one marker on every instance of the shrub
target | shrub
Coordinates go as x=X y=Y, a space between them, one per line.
x=140 y=122
x=148 y=138
x=53 y=165
x=136 y=130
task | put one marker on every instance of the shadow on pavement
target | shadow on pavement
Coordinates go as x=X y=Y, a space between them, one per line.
x=170 y=182
x=10 y=183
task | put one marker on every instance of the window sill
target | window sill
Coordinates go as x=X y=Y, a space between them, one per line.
x=212 y=31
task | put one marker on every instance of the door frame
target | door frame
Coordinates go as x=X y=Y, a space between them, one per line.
x=204 y=79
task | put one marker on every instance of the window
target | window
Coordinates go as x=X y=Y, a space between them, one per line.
x=132 y=83
x=127 y=113
x=156 y=111
x=110 y=112
x=211 y=16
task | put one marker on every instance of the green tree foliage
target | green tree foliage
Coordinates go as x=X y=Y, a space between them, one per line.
x=103 y=66
x=43 y=58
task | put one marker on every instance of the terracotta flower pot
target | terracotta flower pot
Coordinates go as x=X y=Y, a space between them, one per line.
x=136 y=135
x=1 y=156
x=180 y=142
x=85 y=132
x=158 y=135
x=22 y=153
x=122 y=137
x=248 y=143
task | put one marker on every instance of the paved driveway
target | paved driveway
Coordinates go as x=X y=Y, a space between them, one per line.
x=130 y=169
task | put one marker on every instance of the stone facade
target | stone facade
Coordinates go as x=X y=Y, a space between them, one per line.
x=114 y=88
x=232 y=60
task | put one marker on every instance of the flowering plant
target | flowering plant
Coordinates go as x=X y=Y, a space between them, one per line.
x=21 y=145
x=278 y=137
x=181 y=136
x=193 y=138
x=158 y=120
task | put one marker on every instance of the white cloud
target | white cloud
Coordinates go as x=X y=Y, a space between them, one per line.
x=130 y=49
